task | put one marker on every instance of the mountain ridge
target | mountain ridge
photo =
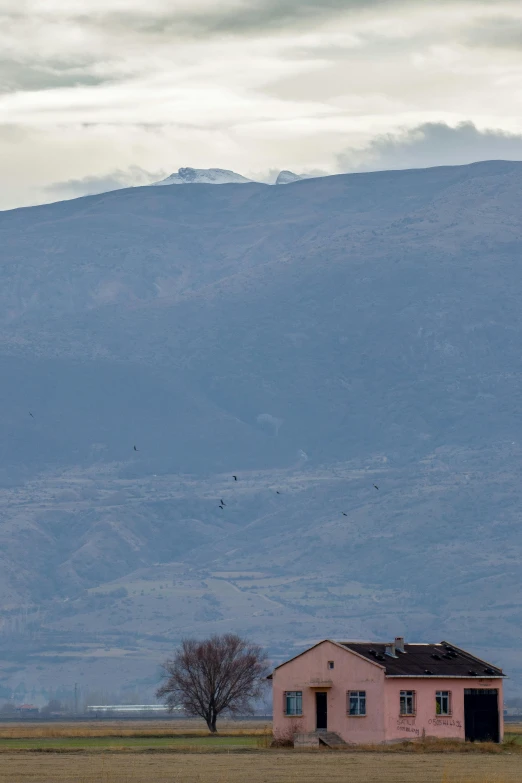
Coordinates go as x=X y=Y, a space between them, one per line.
x=350 y=330
x=215 y=176
x=189 y=176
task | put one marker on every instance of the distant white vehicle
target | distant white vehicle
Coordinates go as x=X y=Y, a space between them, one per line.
x=125 y=708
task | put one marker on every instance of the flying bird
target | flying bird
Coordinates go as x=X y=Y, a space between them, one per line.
x=376 y=487
x=345 y=514
x=235 y=478
x=277 y=492
x=223 y=504
x=31 y=415
x=221 y=507
x=135 y=449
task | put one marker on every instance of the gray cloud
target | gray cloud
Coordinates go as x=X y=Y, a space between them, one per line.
x=260 y=15
x=272 y=14
x=92 y=185
x=433 y=144
x=24 y=76
x=503 y=32
x=254 y=16
x=110 y=36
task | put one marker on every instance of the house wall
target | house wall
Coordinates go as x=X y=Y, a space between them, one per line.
x=383 y=722
x=350 y=672
x=426 y=721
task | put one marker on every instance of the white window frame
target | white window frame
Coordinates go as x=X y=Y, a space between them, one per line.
x=442 y=695
x=408 y=696
x=297 y=696
x=361 y=703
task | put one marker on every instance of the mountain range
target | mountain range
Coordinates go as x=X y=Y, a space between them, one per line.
x=317 y=341
x=189 y=176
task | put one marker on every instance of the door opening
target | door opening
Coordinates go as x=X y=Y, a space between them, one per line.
x=481 y=718
x=321 y=709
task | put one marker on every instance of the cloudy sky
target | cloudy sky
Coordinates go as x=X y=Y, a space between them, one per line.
x=96 y=94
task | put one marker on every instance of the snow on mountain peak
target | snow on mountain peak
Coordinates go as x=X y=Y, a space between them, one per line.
x=286 y=177
x=189 y=176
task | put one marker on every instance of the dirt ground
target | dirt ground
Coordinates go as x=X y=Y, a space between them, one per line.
x=259 y=767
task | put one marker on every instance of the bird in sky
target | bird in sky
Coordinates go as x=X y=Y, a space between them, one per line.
x=221 y=507
x=235 y=478
x=135 y=449
x=376 y=487
x=31 y=415
x=277 y=492
x=223 y=504
x=345 y=514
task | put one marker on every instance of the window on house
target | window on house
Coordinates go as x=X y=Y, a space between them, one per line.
x=407 y=703
x=293 y=702
x=330 y=664
x=356 y=702
x=442 y=703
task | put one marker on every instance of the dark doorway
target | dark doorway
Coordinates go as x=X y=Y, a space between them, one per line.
x=321 y=709
x=481 y=714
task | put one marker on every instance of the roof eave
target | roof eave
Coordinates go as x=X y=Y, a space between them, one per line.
x=447 y=676
x=270 y=676
x=337 y=644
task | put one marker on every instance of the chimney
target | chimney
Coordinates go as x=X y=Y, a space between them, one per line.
x=389 y=649
x=399 y=644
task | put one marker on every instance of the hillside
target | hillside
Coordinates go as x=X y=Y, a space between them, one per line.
x=314 y=340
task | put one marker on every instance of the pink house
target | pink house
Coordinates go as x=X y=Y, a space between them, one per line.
x=367 y=692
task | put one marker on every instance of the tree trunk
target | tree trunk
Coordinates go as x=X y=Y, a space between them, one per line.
x=211 y=723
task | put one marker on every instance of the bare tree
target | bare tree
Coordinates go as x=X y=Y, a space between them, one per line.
x=222 y=674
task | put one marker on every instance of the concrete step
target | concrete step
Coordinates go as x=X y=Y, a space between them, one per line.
x=331 y=739
x=316 y=738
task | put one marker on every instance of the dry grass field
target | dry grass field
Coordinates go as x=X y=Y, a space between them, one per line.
x=182 y=751
x=117 y=728
x=259 y=767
